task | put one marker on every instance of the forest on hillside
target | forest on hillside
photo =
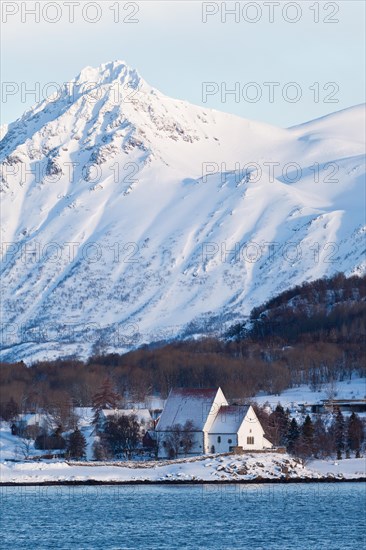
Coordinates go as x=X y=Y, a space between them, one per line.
x=313 y=334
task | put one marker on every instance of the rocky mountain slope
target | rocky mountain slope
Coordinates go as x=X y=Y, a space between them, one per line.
x=130 y=217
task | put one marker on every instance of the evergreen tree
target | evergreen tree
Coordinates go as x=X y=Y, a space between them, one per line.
x=292 y=435
x=76 y=445
x=307 y=432
x=355 y=434
x=279 y=425
x=321 y=443
x=339 y=433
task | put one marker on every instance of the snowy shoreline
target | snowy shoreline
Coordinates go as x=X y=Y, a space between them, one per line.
x=254 y=481
x=242 y=469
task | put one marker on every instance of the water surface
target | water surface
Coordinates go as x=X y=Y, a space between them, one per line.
x=269 y=517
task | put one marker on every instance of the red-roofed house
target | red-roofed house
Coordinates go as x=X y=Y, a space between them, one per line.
x=204 y=418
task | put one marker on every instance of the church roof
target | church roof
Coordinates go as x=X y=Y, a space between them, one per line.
x=229 y=419
x=187 y=404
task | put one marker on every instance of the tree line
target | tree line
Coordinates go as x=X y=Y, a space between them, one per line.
x=321 y=437
x=122 y=436
x=313 y=334
x=118 y=436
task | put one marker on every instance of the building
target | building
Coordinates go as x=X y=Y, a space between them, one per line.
x=237 y=426
x=32 y=423
x=209 y=422
x=344 y=405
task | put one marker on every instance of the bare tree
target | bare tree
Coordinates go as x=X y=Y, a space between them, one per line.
x=187 y=437
x=174 y=440
x=122 y=434
x=62 y=414
x=23 y=447
x=331 y=390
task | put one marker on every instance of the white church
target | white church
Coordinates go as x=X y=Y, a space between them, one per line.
x=215 y=426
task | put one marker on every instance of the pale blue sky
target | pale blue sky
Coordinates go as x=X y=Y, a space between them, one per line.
x=175 y=51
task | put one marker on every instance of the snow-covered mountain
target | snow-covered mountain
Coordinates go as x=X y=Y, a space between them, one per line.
x=120 y=207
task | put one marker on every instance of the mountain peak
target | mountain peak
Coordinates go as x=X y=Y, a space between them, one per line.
x=112 y=83
x=131 y=217
x=108 y=73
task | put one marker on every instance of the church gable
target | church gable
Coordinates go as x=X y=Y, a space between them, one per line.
x=194 y=405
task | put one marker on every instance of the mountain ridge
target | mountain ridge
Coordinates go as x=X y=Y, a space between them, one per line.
x=166 y=218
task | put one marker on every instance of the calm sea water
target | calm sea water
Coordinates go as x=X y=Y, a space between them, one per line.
x=270 y=517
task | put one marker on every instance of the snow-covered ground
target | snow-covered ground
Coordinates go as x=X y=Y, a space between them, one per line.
x=347 y=389
x=217 y=468
x=350 y=467
x=247 y=467
x=13 y=448
x=8 y=443
x=17 y=448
